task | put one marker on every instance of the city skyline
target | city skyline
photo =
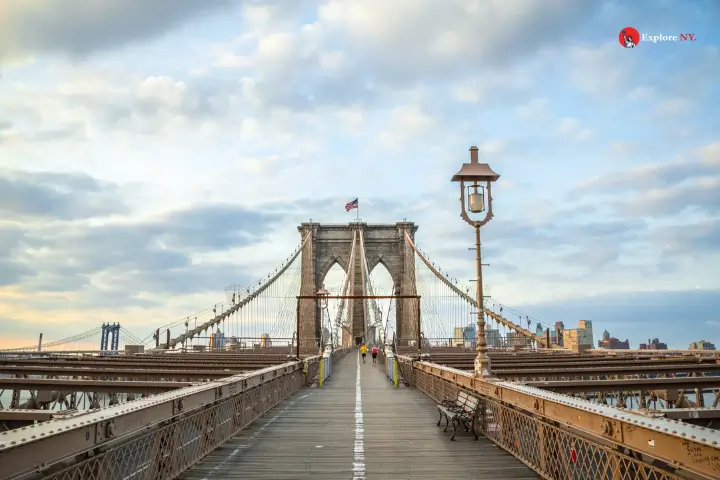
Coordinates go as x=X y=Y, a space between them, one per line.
x=153 y=153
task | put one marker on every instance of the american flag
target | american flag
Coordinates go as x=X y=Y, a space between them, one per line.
x=350 y=205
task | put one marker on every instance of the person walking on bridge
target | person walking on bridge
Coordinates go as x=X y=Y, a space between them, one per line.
x=374 y=353
x=363 y=351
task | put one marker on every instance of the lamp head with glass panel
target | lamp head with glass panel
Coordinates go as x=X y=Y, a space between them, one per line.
x=322 y=296
x=475 y=179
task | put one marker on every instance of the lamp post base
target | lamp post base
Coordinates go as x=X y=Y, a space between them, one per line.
x=482 y=366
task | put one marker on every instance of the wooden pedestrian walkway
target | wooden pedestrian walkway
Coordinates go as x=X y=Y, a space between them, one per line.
x=358 y=426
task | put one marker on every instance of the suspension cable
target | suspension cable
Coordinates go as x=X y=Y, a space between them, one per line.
x=55 y=343
x=370 y=290
x=253 y=295
x=498 y=318
x=345 y=304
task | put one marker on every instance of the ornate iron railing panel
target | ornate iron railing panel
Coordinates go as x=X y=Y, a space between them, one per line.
x=167 y=451
x=538 y=435
x=153 y=438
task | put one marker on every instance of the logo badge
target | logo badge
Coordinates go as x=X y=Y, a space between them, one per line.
x=629 y=37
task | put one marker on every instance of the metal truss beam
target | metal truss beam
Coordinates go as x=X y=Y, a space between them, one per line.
x=578 y=362
x=165 y=354
x=693 y=353
x=100 y=372
x=142 y=365
x=187 y=357
x=503 y=372
x=687 y=413
x=26 y=415
x=106 y=386
x=627 y=385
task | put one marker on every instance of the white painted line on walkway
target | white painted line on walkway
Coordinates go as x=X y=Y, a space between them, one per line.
x=359 y=457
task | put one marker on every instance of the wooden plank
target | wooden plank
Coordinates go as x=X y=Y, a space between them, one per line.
x=313 y=435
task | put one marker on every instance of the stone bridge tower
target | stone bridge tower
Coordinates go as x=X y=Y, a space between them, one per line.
x=331 y=244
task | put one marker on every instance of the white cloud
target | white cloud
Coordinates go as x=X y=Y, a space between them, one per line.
x=414 y=36
x=492 y=147
x=673 y=108
x=573 y=127
x=229 y=60
x=259 y=165
x=466 y=93
x=332 y=61
x=536 y=110
x=607 y=72
x=405 y=123
x=623 y=148
x=539 y=113
x=78 y=27
x=603 y=70
x=352 y=117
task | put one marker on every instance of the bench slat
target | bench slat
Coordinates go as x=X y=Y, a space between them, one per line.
x=464 y=403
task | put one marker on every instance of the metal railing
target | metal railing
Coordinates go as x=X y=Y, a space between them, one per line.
x=325 y=366
x=561 y=437
x=154 y=438
x=391 y=365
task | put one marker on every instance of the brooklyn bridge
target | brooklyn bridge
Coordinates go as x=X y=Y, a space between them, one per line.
x=270 y=383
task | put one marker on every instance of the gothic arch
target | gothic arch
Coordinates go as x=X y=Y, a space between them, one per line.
x=377 y=260
x=335 y=259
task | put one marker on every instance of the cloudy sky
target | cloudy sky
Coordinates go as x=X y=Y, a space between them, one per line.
x=153 y=152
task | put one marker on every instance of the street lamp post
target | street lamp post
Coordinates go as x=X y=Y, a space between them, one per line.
x=479 y=178
x=322 y=296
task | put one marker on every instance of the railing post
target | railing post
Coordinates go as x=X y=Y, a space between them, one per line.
x=391 y=367
x=411 y=373
x=396 y=377
x=324 y=366
x=320 y=372
x=542 y=445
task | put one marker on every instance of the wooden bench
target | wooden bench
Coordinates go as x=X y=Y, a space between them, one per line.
x=463 y=410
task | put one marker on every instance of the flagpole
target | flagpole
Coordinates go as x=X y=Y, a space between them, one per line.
x=357 y=214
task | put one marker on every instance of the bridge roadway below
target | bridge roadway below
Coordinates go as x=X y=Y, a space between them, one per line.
x=317 y=434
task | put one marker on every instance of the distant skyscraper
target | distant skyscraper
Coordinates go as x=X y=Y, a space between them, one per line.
x=579 y=339
x=458 y=336
x=470 y=336
x=586 y=336
x=613 y=343
x=702 y=345
x=470 y=332
x=217 y=340
x=556 y=335
x=493 y=338
x=656 y=344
